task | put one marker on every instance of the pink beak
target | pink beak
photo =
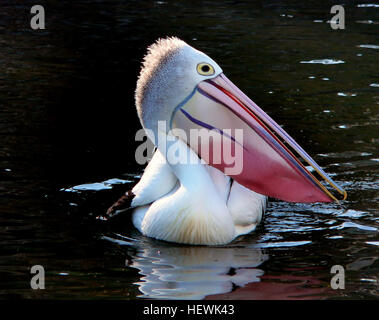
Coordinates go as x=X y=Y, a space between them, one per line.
x=267 y=165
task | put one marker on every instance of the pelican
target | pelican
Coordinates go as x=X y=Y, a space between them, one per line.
x=202 y=202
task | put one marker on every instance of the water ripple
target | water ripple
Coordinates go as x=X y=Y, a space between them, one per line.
x=374 y=243
x=353 y=225
x=324 y=61
x=96 y=186
x=368 y=5
x=368 y=46
x=281 y=244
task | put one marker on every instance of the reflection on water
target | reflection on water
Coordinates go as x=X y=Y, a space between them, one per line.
x=189 y=272
x=67 y=127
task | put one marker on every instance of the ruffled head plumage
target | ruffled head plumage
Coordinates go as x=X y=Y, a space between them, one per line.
x=158 y=54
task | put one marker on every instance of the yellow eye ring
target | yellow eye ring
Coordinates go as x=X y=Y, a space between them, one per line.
x=205 y=69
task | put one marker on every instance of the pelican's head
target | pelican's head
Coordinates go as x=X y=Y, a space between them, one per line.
x=171 y=71
x=187 y=90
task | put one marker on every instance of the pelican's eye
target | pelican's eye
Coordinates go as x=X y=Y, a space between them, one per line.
x=205 y=69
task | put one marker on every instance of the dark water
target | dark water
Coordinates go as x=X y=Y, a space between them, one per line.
x=67 y=119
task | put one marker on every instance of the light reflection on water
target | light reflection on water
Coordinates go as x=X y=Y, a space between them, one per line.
x=189 y=272
x=171 y=271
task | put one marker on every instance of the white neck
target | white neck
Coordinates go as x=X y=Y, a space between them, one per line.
x=196 y=212
x=185 y=163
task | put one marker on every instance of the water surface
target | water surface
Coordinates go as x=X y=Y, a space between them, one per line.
x=67 y=126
